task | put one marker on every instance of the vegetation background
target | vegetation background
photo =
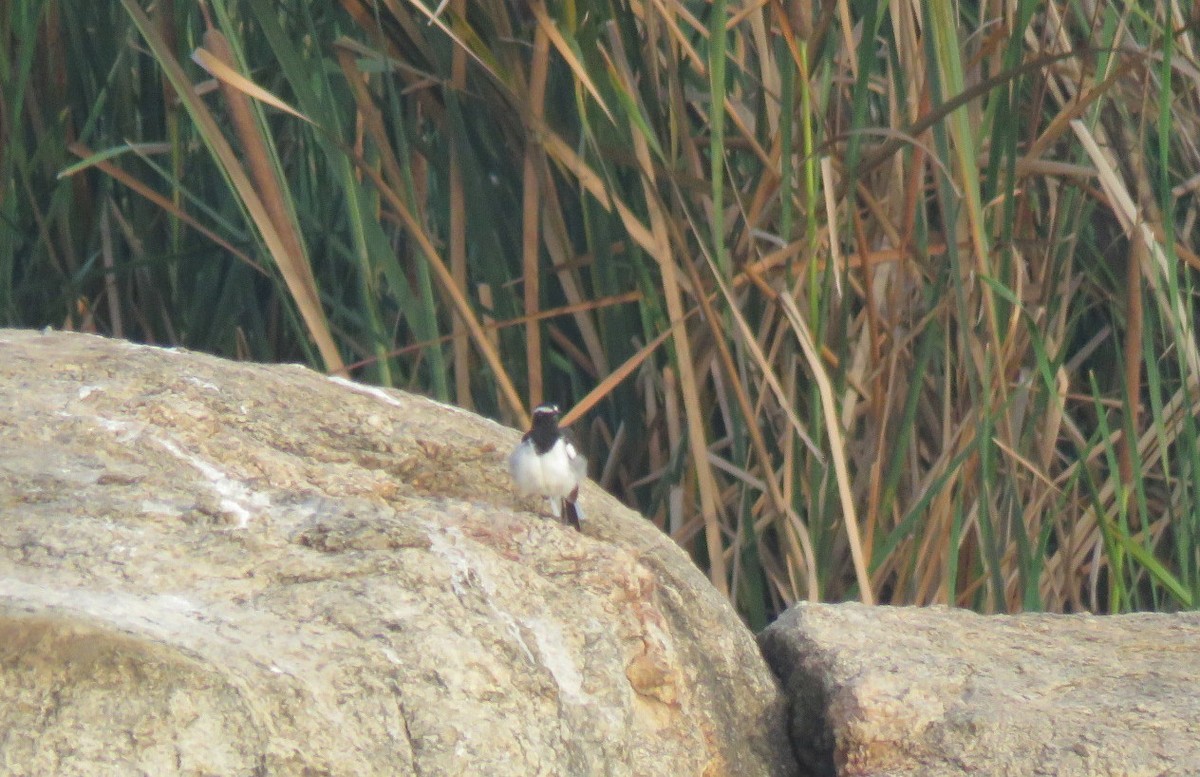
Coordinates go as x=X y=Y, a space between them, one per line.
x=890 y=301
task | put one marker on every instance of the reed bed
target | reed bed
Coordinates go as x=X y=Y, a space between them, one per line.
x=879 y=301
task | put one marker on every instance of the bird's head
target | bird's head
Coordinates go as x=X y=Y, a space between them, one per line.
x=546 y=416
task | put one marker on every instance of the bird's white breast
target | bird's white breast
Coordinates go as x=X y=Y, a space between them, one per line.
x=552 y=474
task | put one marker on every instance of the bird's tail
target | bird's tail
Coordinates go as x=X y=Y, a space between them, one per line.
x=572 y=513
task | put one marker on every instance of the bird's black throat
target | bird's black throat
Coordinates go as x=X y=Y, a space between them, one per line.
x=544 y=433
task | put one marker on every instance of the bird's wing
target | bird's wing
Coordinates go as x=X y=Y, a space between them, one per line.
x=579 y=462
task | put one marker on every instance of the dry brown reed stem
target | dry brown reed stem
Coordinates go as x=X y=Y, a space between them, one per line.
x=294 y=268
x=458 y=235
x=531 y=204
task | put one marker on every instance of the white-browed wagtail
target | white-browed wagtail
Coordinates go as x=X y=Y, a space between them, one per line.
x=548 y=464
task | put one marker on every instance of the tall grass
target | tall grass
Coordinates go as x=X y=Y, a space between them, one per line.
x=887 y=302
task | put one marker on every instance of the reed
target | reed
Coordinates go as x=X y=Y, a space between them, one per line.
x=885 y=302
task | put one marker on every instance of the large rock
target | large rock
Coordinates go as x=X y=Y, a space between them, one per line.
x=219 y=568
x=934 y=692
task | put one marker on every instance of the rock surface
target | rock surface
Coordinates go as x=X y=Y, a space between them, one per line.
x=218 y=568
x=938 y=692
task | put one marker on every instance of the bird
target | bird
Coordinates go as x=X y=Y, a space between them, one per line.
x=547 y=463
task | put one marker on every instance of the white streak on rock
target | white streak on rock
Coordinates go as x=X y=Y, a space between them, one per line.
x=467 y=573
x=556 y=656
x=125 y=431
x=204 y=384
x=235 y=498
x=371 y=391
